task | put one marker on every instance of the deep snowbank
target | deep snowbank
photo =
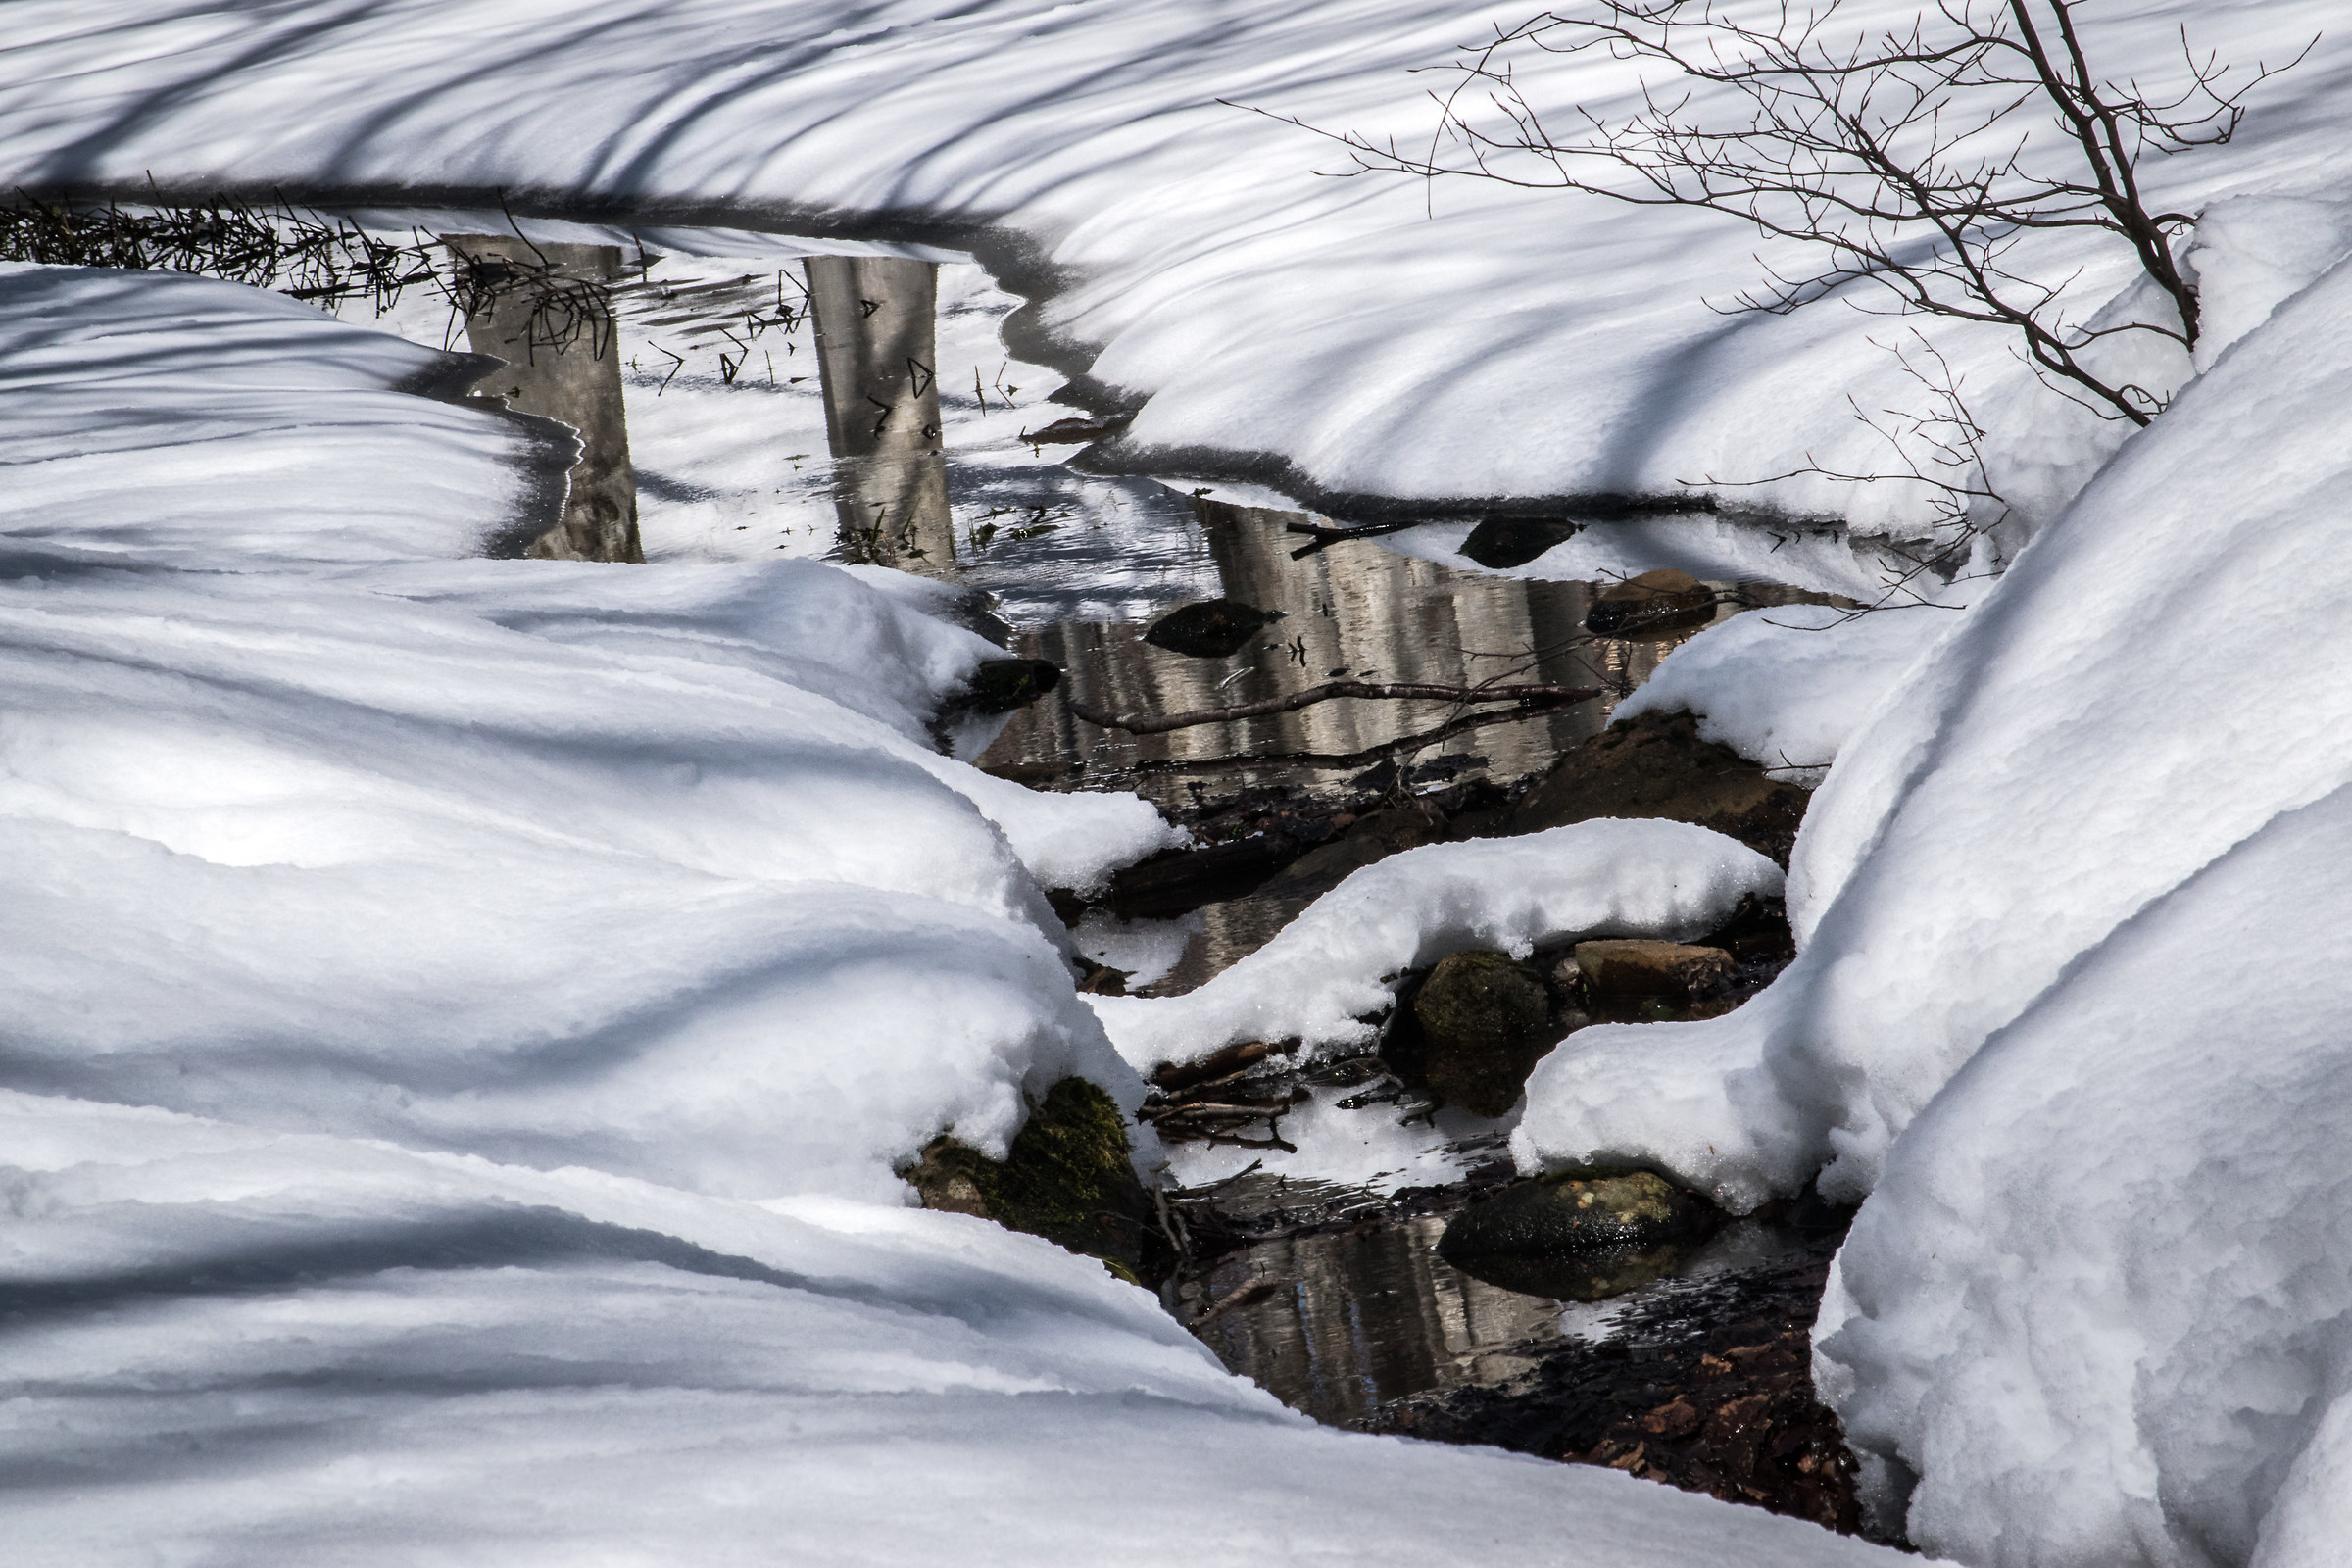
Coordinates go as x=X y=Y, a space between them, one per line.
x=1509 y=343
x=1322 y=974
x=2101 y=1298
x=656 y=871
x=229 y=1346
x=2066 y=901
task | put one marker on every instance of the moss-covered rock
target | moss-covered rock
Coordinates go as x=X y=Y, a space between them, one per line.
x=1619 y=1228
x=1474 y=1030
x=1067 y=1178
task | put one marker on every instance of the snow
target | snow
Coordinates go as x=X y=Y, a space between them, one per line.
x=1785 y=687
x=1324 y=973
x=463 y=1015
x=1329 y=336
x=2067 y=1011
x=250 y=810
x=2100 y=1298
x=235 y=1345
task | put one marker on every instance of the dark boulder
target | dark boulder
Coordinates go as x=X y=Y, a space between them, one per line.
x=1657 y=765
x=1499 y=543
x=1473 y=1030
x=1374 y=836
x=1211 y=628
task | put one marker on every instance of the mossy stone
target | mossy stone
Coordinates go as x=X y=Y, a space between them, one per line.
x=1577 y=1216
x=1483 y=1021
x=1067 y=1177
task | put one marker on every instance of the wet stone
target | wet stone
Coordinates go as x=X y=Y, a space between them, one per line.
x=1211 y=628
x=1500 y=543
x=1003 y=685
x=1479 y=1023
x=1656 y=604
x=1615 y=969
x=1595 y=1216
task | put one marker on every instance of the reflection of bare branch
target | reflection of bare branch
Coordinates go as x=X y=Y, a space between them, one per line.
x=1902 y=158
x=1142 y=724
x=1328 y=762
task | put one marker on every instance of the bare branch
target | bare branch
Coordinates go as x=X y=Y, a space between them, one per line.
x=1913 y=159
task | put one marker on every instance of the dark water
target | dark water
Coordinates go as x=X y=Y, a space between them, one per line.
x=1364 y=1313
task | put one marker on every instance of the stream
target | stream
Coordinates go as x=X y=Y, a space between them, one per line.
x=741 y=395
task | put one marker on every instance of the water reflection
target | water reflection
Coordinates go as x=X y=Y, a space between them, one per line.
x=1358 y=1317
x=878 y=359
x=1353 y=609
x=546 y=310
x=1361 y=1318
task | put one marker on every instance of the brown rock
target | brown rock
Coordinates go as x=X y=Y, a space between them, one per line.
x=1657 y=766
x=1615 y=969
x=1655 y=605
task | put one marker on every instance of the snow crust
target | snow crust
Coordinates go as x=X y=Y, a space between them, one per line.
x=1362 y=336
x=1325 y=972
x=1785 y=687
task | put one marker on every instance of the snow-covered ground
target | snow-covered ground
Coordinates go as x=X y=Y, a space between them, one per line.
x=1362 y=336
x=464 y=1013
x=2070 y=1009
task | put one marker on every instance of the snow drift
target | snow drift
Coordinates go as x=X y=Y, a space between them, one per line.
x=2069 y=1011
x=1363 y=336
x=555 y=863
x=1328 y=971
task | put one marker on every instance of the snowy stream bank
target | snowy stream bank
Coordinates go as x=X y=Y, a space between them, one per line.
x=465 y=1013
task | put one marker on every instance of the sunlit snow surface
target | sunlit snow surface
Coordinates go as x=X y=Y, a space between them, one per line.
x=2072 y=1009
x=1371 y=335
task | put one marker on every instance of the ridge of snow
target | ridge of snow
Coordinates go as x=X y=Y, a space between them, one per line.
x=1321 y=974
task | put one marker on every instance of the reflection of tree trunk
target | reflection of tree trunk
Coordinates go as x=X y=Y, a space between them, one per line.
x=877 y=358
x=563 y=362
